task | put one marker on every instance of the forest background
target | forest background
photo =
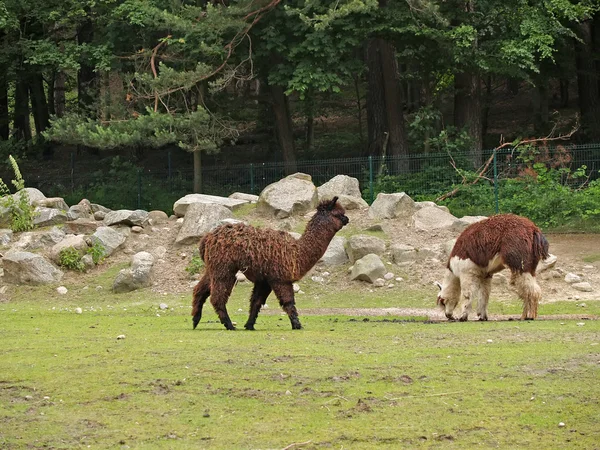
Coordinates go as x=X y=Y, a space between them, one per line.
x=111 y=90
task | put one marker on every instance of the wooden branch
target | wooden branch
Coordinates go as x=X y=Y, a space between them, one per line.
x=296 y=444
x=484 y=168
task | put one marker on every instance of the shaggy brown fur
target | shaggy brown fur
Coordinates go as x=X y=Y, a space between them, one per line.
x=484 y=248
x=271 y=259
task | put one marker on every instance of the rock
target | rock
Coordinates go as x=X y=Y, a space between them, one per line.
x=428 y=204
x=157 y=217
x=294 y=195
x=88 y=262
x=430 y=218
x=137 y=276
x=77 y=242
x=368 y=268
x=572 y=278
x=583 y=286
x=181 y=206
x=403 y=253
x=80 y=211
x=48 y=216
x=296 y=287
x=99 y=216
x=361 y=244
x=99 y=208
x=78 y=311
x=461 y=224
x=199 y=219
x=346 y=189
x=159 y=252
x=29 y=268
x=35 y=195
x=81 y=226
x=136 y=229
x=121 y=336
x=6 y=235
x=62 y=290
x=388 y=276
x=250 y=198
x=53 y=203
x=379 y=282
x=546 y=264
x=163 y=306
x=335 y=255
x=392 y=206
x=109 y=239
x=126 y=217
x=240 y=277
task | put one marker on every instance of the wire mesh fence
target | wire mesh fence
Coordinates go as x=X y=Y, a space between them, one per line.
x=423 y=176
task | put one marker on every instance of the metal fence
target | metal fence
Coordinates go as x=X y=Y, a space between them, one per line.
x=423 y=176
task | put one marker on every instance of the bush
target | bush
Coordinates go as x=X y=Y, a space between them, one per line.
x=70 y=258
x=195 y=265
x=21 y=210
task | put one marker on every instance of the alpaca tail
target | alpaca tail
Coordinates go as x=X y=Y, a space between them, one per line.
x=540 y=245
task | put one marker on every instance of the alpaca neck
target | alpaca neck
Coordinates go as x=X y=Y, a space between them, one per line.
x=312 y=246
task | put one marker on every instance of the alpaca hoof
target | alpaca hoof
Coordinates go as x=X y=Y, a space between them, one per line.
x=450 y=317
x=249 y=327
x=483 y=318
x=196 y=321
x=463 y=318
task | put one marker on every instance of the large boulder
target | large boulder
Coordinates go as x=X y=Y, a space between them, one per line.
x=77 y=242
x=137 y=276
x=109 y=239
x=251 y=198
x=35 y=195
x=402 y=253
x=81 y=226
x=461 y=224
x=199 y=219
x=368 y=268
x=157 y=217
x=29 y=268
x=181 y=206
x=294 y=195
x=346 y=189
x=433 y=218
x=52 y=202
x=126 y=217
x=392 y=206
x=335 y=255
x=44 y=217
x=361 y=244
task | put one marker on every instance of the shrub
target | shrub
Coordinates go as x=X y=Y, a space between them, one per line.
x=98 y=252
x=70 y=258
x=21 y=210
x=195 y=265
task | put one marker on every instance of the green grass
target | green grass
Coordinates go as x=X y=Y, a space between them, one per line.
x=66 y=381
x=595 y=257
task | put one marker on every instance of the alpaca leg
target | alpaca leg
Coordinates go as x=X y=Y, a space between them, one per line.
x=220 y=290
x=449 y=294
x=483 y=298
x=470 y=285
x=529 y=291
x=201 y=293
x=259 y=297
x=285 y=294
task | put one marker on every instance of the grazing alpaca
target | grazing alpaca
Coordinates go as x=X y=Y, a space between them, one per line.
x=271 y=259
x=481 y=250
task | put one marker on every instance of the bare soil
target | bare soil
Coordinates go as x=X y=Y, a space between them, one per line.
x=576 y=253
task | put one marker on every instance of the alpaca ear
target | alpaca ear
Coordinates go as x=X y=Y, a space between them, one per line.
x=333 y=202
x=438 y=284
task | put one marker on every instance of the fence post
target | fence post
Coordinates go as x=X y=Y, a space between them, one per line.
x=251 y=178
x=496 y=181
x=139 y=193
x=371 y=178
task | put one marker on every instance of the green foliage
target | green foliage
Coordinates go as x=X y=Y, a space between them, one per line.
x=98 y=252
x=21 y=211
x=70 y=258
x=195 y=265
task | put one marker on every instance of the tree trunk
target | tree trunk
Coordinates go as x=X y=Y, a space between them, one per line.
x=564 y=92
x=487 y=101
x=541 y=108
x=4 y=120
x=87 y=84
x=467 y=111
x=39 y=105
x=21 y=114
x=197 y=172
x=385 y=119
x=587 y=82
x=283 y=126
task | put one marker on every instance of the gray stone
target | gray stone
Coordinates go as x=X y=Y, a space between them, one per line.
x=368 y=268
x=79 y=212
x=109 y=239
x=29 y=268
x=346 y=189
x=392 y=206
x=200 y=218
x=6 y=235
x=547 y=263
x=360 y=245
x=48 y=216
x=433 y=218
x=157 y=217
x=294 y=195
x=572 y=278
x=251 y=198
x=71 y=241
x=52 y=202
x=181 y=206
x=137 y=276
x=335 y=255
x=81 y=226
x=126 y=217
x=583 y=286
x=461 y=224
x=88 y=262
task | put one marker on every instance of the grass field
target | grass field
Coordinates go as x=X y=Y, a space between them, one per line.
x=67 y=380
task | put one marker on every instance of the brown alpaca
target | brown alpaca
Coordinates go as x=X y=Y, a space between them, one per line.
x=271 y=259
x=481 y=250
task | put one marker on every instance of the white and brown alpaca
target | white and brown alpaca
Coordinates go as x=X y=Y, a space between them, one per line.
x=484 y=248
x=271 y=259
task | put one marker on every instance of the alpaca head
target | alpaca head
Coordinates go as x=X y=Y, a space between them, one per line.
x=332 y=211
